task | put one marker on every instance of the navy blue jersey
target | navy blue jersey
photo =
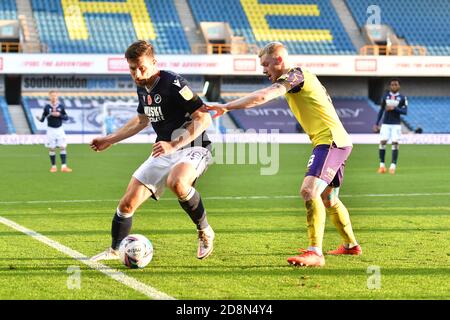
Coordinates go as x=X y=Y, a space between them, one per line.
x=400 y=103
x=54 y=122
x=168 y=104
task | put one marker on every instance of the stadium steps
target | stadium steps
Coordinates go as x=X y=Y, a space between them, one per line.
x=191 y=30
x=31 y=42
x=349 y=23
x=19 y=119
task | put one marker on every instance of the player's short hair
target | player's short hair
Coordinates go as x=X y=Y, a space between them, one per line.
x=394 y=79
x=270 y=48
x=52 y=91
x=138 y=49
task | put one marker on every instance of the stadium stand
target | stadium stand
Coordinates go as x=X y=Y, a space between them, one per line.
x=311 y=27
x=110 y=25
x=431 y=114
x=424 y=23
x=8 y=10
x=6 y=124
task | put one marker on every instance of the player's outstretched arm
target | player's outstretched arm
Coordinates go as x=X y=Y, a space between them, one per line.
x=254 y=99
x=131 y=128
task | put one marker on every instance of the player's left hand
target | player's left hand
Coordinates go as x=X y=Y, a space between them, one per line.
x=161 y=148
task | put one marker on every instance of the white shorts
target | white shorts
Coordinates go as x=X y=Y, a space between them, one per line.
x=56 y=137
x=392 y=132
x=153 y=172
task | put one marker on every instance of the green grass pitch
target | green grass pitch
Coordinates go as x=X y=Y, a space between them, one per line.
x=401 y=221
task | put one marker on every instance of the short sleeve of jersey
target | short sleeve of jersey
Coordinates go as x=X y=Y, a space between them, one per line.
x=405 y=101
x=293 y=79
x=383 y=100
x=184 y=95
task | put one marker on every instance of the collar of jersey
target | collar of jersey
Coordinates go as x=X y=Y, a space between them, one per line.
x=153 y=85
x=394 y=94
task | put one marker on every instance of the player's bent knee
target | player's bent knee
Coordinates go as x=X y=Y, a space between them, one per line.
x=178 y=186
x=126 y=208
x=128 y=204
x=307 y=193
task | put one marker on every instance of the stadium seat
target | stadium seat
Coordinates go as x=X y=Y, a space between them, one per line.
x=426 y=23
x=232 y=11
x=8 y=10
x=110 y=32
x=429 y=113
x=6 y=124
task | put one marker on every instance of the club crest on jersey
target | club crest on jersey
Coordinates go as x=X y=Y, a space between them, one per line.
x=157 y=98
x=186 y=93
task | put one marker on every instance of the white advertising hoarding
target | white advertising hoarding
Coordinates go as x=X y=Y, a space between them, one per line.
x=423 y=66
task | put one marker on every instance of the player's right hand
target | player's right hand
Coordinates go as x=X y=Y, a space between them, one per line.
x=99 y=144
x=376 y=128
x=219 y=111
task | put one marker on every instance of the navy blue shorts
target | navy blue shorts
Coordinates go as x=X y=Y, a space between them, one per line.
x=327 y=162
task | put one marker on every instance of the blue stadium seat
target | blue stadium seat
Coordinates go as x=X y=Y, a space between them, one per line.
x=6 y=124
x=109 y=33
x=429 y=113
x=8 y=10
x=231 y=11
x=423 y=23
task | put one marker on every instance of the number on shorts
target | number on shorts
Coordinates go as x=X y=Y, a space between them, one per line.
x=311 y=160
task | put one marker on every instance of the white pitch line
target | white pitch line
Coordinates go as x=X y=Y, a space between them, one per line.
x=235 y=198
x=115 y=274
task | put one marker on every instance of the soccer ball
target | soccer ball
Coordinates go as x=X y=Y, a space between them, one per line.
x=136 y=251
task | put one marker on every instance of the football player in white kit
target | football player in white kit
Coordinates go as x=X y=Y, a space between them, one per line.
x=392 y=106
x=55 y=113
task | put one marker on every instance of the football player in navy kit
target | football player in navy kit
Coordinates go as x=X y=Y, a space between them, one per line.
x=179 y=156
x=392 y=106
x=55 y=113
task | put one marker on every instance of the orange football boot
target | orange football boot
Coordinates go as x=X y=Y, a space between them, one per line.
x=355 y=251
x=381 y=170
x=53 y=169
x=66 y=169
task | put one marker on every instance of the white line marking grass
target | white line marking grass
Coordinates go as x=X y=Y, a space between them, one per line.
x=128 y=281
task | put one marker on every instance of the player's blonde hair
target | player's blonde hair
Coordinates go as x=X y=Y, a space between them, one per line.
x=271 y=48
